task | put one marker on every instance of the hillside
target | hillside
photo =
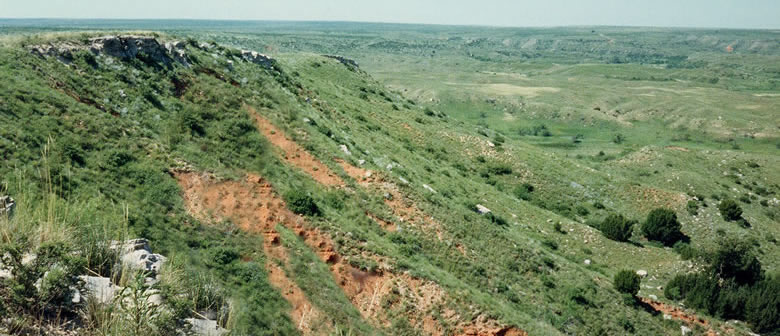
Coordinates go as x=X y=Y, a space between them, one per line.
x=297 y=194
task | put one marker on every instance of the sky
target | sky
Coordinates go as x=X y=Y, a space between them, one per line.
x=518 y=13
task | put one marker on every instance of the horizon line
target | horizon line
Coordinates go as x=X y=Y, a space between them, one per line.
x=388 y=23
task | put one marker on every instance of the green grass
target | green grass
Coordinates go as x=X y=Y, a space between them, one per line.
x=527 y=272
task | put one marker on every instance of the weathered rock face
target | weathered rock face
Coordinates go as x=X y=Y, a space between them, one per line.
x=124 y=47
x=257 y=58
x=136 y=254
x=351 y=64
x=7 y=206
x=129 y=47
x=145 y=48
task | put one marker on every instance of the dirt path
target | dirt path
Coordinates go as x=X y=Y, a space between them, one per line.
x=250 y=204
x=295 y=154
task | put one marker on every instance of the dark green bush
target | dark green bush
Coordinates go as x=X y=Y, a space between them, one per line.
x=524 y=191
x=581 y=210
x=685 y=250
x=627 y=282
x=301 y=203
x=617 y=227
x=692 y=207
x=736 y=259
x=223 y=255
x=499 y=169
x=553 y=245
x=762 y=309
x=730 y=210
x=662 y=225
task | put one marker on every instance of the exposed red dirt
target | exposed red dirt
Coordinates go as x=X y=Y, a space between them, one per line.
x=252 y=205
x=386 y=225
x=295 y=154
x=679 y=314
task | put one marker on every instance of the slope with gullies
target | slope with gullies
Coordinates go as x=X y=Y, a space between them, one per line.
x=296 y=195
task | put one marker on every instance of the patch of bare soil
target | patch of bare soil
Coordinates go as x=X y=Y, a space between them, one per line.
x=651 y=198
x=295 y=154
x=252 y=205
x=677 y=148
x=679 y=314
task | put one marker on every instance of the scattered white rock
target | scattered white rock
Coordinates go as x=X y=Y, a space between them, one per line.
x=587 y=261
x=257 y=58
x=653 y=297
x=685 y=330
x=482 y=209
x=345 y=150
x=403 y=180
x=427 y=187
x=136 y=254
x=361 y=162
x=667 y=317
x=641 y=273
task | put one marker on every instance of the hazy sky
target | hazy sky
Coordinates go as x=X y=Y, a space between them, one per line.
x=677 y=13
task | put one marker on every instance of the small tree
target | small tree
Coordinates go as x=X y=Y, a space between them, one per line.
x=301 y=203
x=627 y=282
x=730 y=210
x=736 y=259
x=662 y=225
x=617 y=227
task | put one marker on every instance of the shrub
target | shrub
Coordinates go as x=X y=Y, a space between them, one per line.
x=301 y=203
x=618 y=138
x=558 y=228
x=223 y=255
x=496 y=219
x=662 y=225
x=730 y=210
x=553 y=245
x=524 y=191
x=736 y=259
x=582 y=211
x=692 y=207
x=685 y=250
x=627 y=282
x=499 y=169
x=762 y=309
x=617 y=227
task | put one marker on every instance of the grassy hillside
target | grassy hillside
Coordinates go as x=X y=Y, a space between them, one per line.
x=384 y=184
